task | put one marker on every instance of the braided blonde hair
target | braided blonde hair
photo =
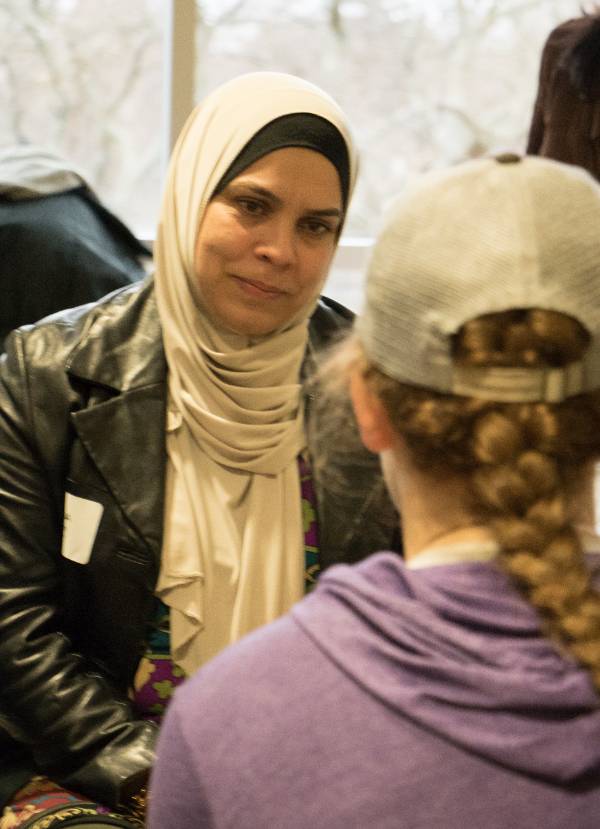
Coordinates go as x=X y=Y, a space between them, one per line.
x=520 y=461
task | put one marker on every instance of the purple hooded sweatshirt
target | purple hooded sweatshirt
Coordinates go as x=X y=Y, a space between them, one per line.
x=389 y=697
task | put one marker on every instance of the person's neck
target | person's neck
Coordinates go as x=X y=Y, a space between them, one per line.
x=419 y=538
x=435 y=513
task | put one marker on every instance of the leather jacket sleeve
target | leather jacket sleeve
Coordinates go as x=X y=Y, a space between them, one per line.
x=78 y=724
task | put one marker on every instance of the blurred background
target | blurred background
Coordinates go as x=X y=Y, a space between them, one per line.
x=424 y=82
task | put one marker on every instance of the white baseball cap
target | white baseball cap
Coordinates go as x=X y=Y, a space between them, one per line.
x=485 y=236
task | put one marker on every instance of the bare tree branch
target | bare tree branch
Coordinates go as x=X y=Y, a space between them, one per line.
x=231 y=13
x=335 y=19
x=13 y=110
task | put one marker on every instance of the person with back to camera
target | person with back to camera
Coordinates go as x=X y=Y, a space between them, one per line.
x=160 y=483
x=566 y=118
x=459 y=686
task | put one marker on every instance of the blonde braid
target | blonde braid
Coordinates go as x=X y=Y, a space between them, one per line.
x=524 y=499
x=519 y=459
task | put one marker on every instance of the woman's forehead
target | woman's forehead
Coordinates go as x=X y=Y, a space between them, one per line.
x=291 y=171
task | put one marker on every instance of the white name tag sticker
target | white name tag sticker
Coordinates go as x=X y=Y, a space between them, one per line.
x=80 y=526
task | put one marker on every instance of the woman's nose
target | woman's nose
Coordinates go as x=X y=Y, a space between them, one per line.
x=278 y=244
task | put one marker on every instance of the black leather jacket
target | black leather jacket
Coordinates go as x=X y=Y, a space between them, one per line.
x=82 y=410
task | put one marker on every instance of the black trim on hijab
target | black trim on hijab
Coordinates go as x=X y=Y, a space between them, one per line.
x=298 y=129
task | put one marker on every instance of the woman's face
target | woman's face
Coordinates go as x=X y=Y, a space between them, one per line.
x=266 y=241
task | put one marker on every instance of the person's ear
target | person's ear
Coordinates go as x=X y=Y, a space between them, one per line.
x=375 y=429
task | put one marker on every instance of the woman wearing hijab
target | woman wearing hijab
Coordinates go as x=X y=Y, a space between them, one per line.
x=160 y=491
x=566 y=119
x=456 y=686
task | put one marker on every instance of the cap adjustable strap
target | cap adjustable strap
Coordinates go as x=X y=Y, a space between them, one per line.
x=519 y=385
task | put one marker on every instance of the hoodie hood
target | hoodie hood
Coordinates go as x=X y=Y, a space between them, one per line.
x=458 y=651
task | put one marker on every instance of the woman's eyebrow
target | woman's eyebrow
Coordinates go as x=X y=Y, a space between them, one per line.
x=329 y=211
x=256 y=190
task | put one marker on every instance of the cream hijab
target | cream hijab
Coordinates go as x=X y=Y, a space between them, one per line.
x=232 y=556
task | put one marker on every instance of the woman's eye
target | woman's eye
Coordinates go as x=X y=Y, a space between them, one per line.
x=251 y=206
x=317 y=227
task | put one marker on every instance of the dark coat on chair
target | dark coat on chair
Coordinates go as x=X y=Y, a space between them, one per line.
x=60 y=251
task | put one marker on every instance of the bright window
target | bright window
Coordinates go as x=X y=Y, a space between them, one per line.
x=85 y=79
x=424 y=82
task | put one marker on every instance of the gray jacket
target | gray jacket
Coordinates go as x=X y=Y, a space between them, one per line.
x=82 y=410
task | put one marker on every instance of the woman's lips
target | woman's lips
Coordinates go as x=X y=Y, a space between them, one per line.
x=256 y=288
